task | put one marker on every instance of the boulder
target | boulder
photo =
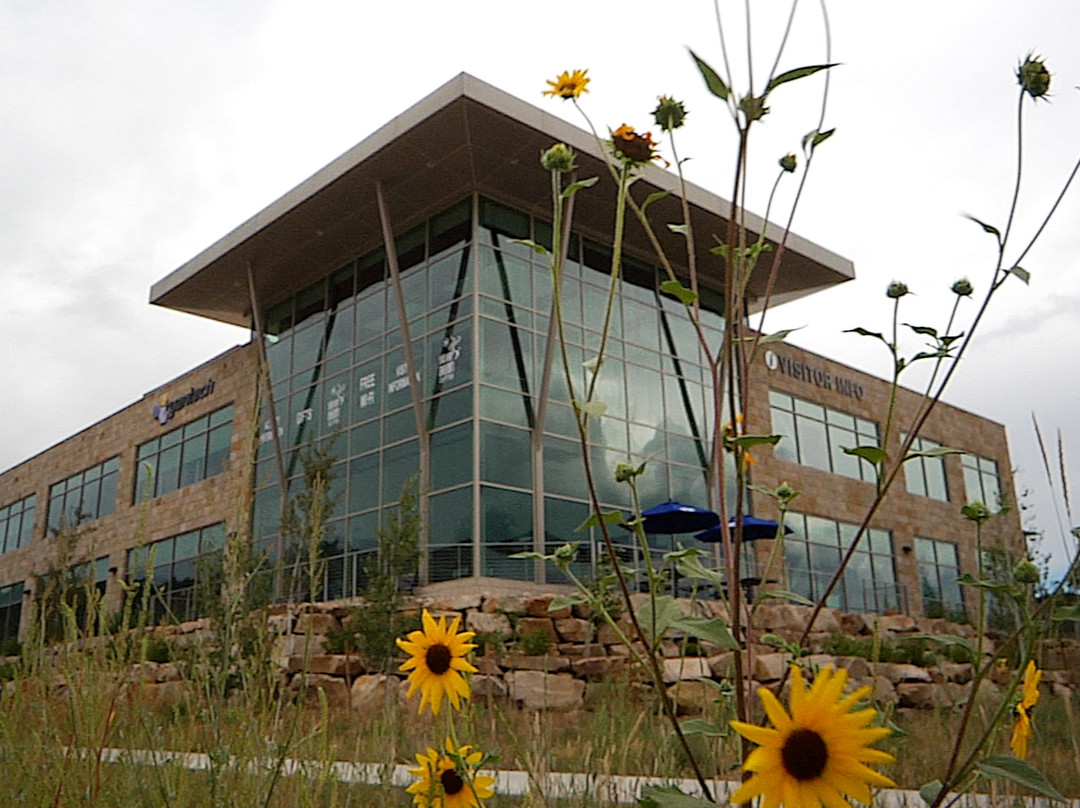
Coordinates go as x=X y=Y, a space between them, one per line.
x=488 y=688
x=574 y=629
x=681 y=668
x=770 y=667
x=535 y=690
x=692 y=698
x=594 y=667
x=491 y=623
x=456 y=603
x=897 y=673
x=920 y=695
x=540 y=606
x=370 y=694
x=306 y=686
x=335 y=664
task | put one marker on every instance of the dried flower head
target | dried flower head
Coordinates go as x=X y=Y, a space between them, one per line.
x=634 y=147
x=559 y=157
x=669 y=113
x=1033 y=76
x=569 y=85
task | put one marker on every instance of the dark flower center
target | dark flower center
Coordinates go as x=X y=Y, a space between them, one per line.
x=438 y=659
x=451 y=782
x=805 y=754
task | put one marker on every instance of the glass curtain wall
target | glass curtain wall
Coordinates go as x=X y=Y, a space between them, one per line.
x=504 y=469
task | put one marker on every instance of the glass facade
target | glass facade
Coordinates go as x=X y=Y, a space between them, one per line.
x=939 y=568
x=85 y=496
x=813 y=550
x=182 y=456
x=165 y=576
x=505 y=464
x=925 y=476
x=816 y=436
x=981 y=480
x=17 y=524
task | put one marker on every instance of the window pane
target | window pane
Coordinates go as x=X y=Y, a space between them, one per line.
x=505 y=529
x=451 y=456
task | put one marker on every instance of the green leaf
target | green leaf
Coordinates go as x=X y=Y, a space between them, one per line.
x=864 y=333
x=989 y=228
x=815 y=138
x=607 y=517
x=532 y=245
x=1067 y=612
x=923 y=329
x=709 y=629
x=677 y=228
x=1021 y=273
x=937 y=451
x=676 y=289
x=691 y=567
x=562 y=601
x=701 y=726
x=746 y=441
x=594 y=408
x=574 y=187
x=667 y=612
x=670 y=797
x=992 y=586
x=942 y=639
x=929 y=791
x=530 y=554
x=872 y=454
x=797 y=73
x=785 y=595
x=653 y=197
x=712 y=78
x=1020 y=772
x=777 y=336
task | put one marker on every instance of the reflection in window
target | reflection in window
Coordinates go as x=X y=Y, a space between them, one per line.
x=506 y=528
x=813 y=552
x=11 y=598
x=816 y=436
x=925 y=476
x=17 y=524
x=85 y=496
x=981 y=480
x=939 y=569
x=176 y=578
x=185 y=455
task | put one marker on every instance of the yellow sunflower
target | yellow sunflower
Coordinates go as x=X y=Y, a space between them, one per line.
x=817 y=755
x=568 y=85
x=437 y=661
x=1022 y=732
x=441 y=784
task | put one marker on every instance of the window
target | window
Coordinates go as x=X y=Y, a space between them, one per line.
x=185 y=455
x=815 y=436
x=981 y=481
x=925 y=476
x=17 y=524
x=813 y=550
x=174 y=578
x=11 y=598
x=938 y=571
x=85 y=496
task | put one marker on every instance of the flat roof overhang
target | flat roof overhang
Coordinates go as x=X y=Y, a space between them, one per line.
x=465 y=137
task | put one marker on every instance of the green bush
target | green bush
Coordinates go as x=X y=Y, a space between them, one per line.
x=536 y=643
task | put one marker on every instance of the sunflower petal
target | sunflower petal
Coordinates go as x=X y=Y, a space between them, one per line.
x=774 y=710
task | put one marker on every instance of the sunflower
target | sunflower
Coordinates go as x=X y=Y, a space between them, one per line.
x=441 y=784
x=1022 y=732
x=817 y=755
x=634 y=147
x=437 y=660
x=568 y=85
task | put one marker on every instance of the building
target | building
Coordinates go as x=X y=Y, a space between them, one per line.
x=404 y=330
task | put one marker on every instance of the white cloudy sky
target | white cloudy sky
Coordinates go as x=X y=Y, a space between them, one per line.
x=133 y=134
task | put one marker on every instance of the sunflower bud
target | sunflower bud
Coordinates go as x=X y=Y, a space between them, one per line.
x=897 y=290
x=559 y=157
x=566 y=554
x=1033 y=76
x=669 y=113
x=1025 y=572
x=788 y=163
x=963 y=288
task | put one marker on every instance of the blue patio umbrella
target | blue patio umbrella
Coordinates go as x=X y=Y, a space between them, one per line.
x=674 y=517
x=753 y=529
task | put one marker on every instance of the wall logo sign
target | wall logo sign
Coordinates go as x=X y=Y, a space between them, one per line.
x=813 y=375
x=167 y=408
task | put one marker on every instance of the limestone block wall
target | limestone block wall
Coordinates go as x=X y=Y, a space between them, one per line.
x=222 y=498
